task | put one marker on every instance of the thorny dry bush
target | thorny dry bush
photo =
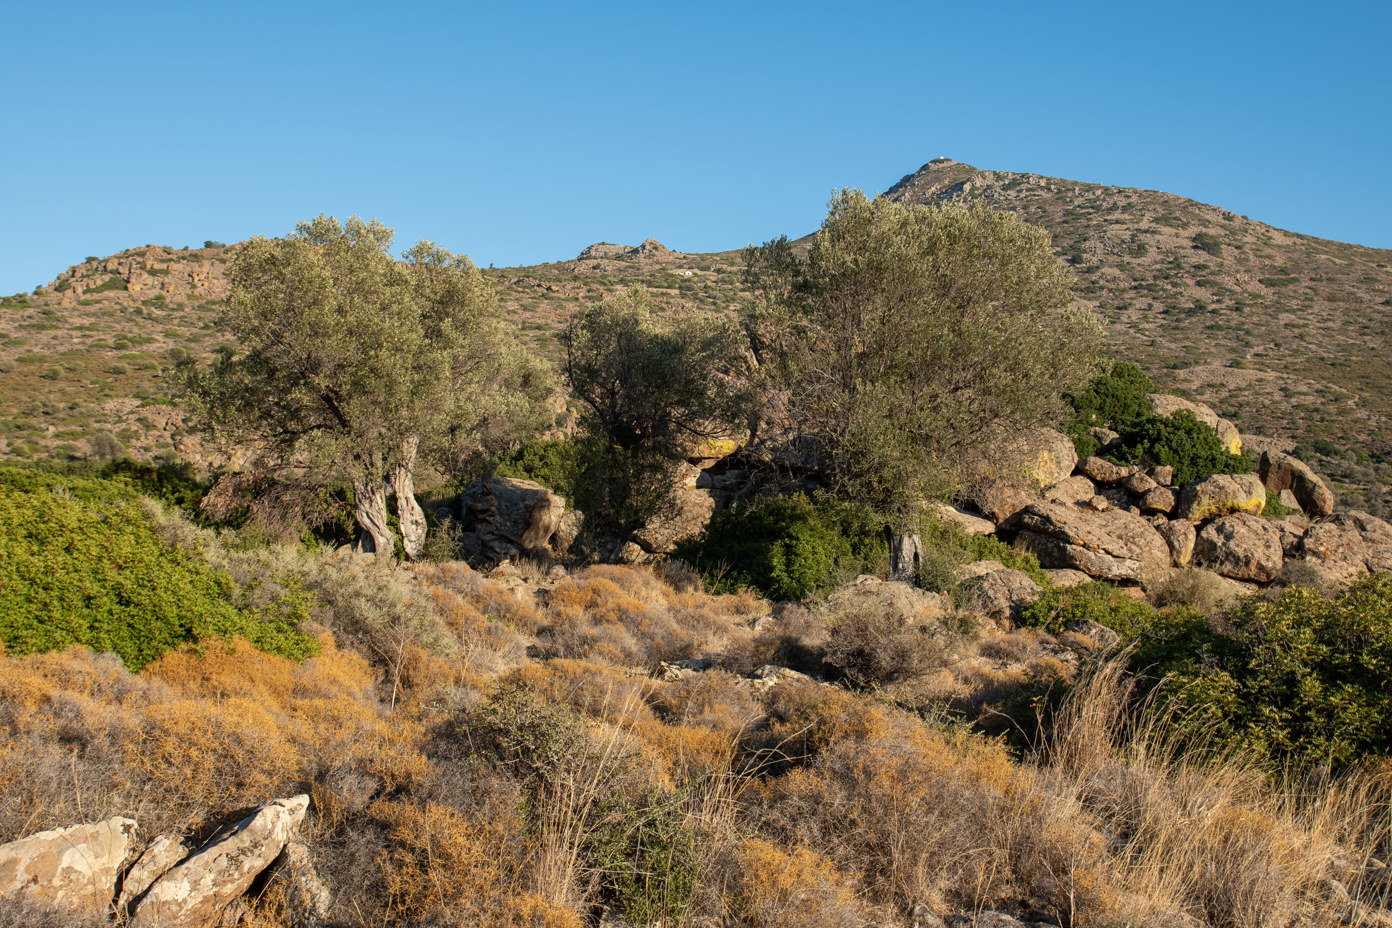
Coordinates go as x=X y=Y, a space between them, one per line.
x=480 y=755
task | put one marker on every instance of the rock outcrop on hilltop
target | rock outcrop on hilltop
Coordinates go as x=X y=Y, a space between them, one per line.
x=141 y=273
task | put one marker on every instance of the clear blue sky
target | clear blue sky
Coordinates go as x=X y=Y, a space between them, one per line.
x=521 y=132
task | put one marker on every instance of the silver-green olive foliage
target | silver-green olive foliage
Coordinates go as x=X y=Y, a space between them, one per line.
x=355 y=365
x=908 y=334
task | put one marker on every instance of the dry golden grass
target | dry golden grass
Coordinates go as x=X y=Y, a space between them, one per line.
x=476 y=789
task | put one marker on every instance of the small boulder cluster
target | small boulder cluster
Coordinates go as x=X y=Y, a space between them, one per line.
x=107 y=870
x=1131 y=523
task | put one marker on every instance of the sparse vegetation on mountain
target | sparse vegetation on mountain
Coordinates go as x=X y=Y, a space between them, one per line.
x=353 y=367
x=905 y=335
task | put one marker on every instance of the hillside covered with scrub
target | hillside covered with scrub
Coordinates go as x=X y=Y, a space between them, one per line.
x=880 y=591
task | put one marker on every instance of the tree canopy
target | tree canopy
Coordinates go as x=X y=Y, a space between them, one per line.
x=907 y=335
x=649 y=390
x=354 y=365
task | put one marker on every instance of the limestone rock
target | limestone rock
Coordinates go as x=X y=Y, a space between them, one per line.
x=1163 y=474
x=1288 y=500
x=1064 y=577
x=1158 y=499
x=196 y=892
x=1180 y=535
x=510 y=516
x=163 y=854
x=1075 y=489
x=75 y=867
x=1241 y=546
x=1100 y=471
x=998 y=500
x=1049 y=456
x=1292 y=532
x=1110 y=545
x=963 y=520
x=1336 y=546
x=691 y=515
x=1167 y=405
x=1281 y=472
x=1221 y=494
x=1342 y=543
x=1000 y=594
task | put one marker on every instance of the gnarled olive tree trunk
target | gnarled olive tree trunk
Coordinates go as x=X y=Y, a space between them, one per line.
x=409 y=512
x=370 y=509
x=905 y=550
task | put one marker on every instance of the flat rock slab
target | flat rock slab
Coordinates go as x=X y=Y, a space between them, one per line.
x=75 y=867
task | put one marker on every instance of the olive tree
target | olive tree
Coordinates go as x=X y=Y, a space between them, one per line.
x=649 y=390
x=354 y=367
x=905 y=337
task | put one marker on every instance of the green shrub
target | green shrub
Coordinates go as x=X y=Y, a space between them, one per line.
x=552 y=462
x=1117 y=398
x=99 y=575
x=1302 y=678
x=1207 y=241
x=111 y=283
x=1181 y=441
x=787 y=547
x=1274 y=508
x=1099 y=602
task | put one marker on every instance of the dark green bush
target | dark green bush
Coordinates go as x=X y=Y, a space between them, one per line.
x=1099 y=602
x=98 y=574
x=787 y=547
x=1207 y=241
x=552 y=462
x=1303 y=678
x=1180 y=441
x=1117 y=398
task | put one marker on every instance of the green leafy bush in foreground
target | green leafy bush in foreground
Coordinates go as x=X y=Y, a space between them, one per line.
x=1305 y=677
x=98 y=574
x=787 y=547
x=1181 y=441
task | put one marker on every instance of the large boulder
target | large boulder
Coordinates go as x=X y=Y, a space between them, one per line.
x=75 y=867
x=999 y=595
x=1241 y=546
x=163 y=854
x=196 y=893
x=1043 y=456
x=510 y=516
x=1281 y=472
x=1110 y=545
x=998 y=500
x=1167 y=405
x=1336 y=546
x=690 y=515
x=1075 y=489
x=1180 y=535
x=1349 y=543
x=1220 y=495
